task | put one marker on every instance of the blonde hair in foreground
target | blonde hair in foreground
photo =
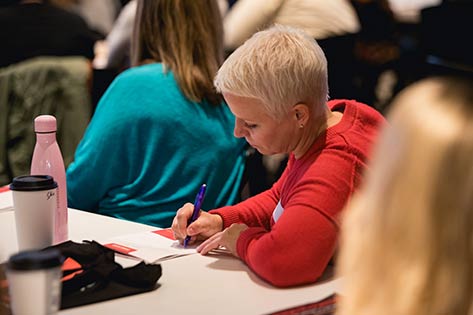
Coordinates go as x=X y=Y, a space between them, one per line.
x=407 y=238
x=281 y=67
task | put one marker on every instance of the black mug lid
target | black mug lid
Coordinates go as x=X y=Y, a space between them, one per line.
x=35 y=260
x=33 y=183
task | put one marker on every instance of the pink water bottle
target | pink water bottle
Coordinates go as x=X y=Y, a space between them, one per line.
x=47 y=160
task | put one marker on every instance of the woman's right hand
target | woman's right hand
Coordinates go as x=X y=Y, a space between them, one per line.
x=205 y=226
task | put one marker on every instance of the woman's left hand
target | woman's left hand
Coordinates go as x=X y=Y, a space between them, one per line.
x=227 y=238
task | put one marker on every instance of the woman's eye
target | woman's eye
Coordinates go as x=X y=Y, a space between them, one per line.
x=250 y=126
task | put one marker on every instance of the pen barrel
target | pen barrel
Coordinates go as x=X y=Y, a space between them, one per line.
x=199 y=199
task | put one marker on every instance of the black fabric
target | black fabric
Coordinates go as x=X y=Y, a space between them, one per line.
x=446 y=33
x=340 y=65
x=99 y=277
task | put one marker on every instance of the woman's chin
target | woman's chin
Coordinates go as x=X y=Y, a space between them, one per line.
x=264 y=151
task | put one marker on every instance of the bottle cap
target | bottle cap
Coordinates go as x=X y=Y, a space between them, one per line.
x=33 y=183
x=45 y=123
x=35 y=260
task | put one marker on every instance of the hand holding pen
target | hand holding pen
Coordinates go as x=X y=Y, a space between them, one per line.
x=199 y=199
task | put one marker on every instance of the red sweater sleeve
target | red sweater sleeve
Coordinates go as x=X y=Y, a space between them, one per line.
x=300 y=244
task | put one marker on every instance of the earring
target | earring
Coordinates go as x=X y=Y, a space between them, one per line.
x=301 y=126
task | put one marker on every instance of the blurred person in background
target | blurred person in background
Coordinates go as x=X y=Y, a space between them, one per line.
x=32 y=28
x=408 y=11
x=99 y=15
x=377 y=52
x=161 y=130
x=114 y=51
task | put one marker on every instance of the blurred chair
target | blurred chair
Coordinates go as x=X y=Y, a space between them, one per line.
x=58 y=86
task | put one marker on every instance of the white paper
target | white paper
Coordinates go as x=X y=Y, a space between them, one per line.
x=149 y=246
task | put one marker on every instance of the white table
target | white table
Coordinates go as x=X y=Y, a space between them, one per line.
x=194 y=284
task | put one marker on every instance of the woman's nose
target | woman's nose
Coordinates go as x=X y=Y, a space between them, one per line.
x=239 y=130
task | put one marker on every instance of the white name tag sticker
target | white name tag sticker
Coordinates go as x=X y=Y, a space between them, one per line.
x=278 y=211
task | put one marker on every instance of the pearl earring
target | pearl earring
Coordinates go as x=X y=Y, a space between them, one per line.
x=301 y=126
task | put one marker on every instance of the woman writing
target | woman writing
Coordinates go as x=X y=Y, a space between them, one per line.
x=276 y=86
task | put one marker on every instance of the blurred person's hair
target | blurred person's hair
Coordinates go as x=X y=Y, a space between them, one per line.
x=407 y=238
x=280 y=66
x=187 y=37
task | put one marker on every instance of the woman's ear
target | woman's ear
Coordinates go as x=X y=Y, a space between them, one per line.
x=301 y=114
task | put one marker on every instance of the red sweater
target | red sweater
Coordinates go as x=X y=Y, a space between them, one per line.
x=296 y=248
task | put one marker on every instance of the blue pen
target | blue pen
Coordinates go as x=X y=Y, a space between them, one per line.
x=199 y=199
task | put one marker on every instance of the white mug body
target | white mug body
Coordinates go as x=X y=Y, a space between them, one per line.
x=34 y=216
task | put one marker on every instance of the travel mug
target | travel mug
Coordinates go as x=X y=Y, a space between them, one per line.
x=34 y=203
x=34 y=282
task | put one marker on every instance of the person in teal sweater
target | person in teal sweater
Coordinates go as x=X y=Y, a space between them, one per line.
x=160 y=130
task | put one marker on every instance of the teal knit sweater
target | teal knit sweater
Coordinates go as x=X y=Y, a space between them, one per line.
x=148 y=149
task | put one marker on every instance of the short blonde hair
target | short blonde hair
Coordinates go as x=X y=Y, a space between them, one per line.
x=407 y=238
x=280 y=66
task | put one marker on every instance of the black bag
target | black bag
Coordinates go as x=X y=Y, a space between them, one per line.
x=90 y=274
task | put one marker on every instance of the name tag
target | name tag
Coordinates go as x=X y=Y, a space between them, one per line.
x=278 y=211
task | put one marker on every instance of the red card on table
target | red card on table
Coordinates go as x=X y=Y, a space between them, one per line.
x=166 y=233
